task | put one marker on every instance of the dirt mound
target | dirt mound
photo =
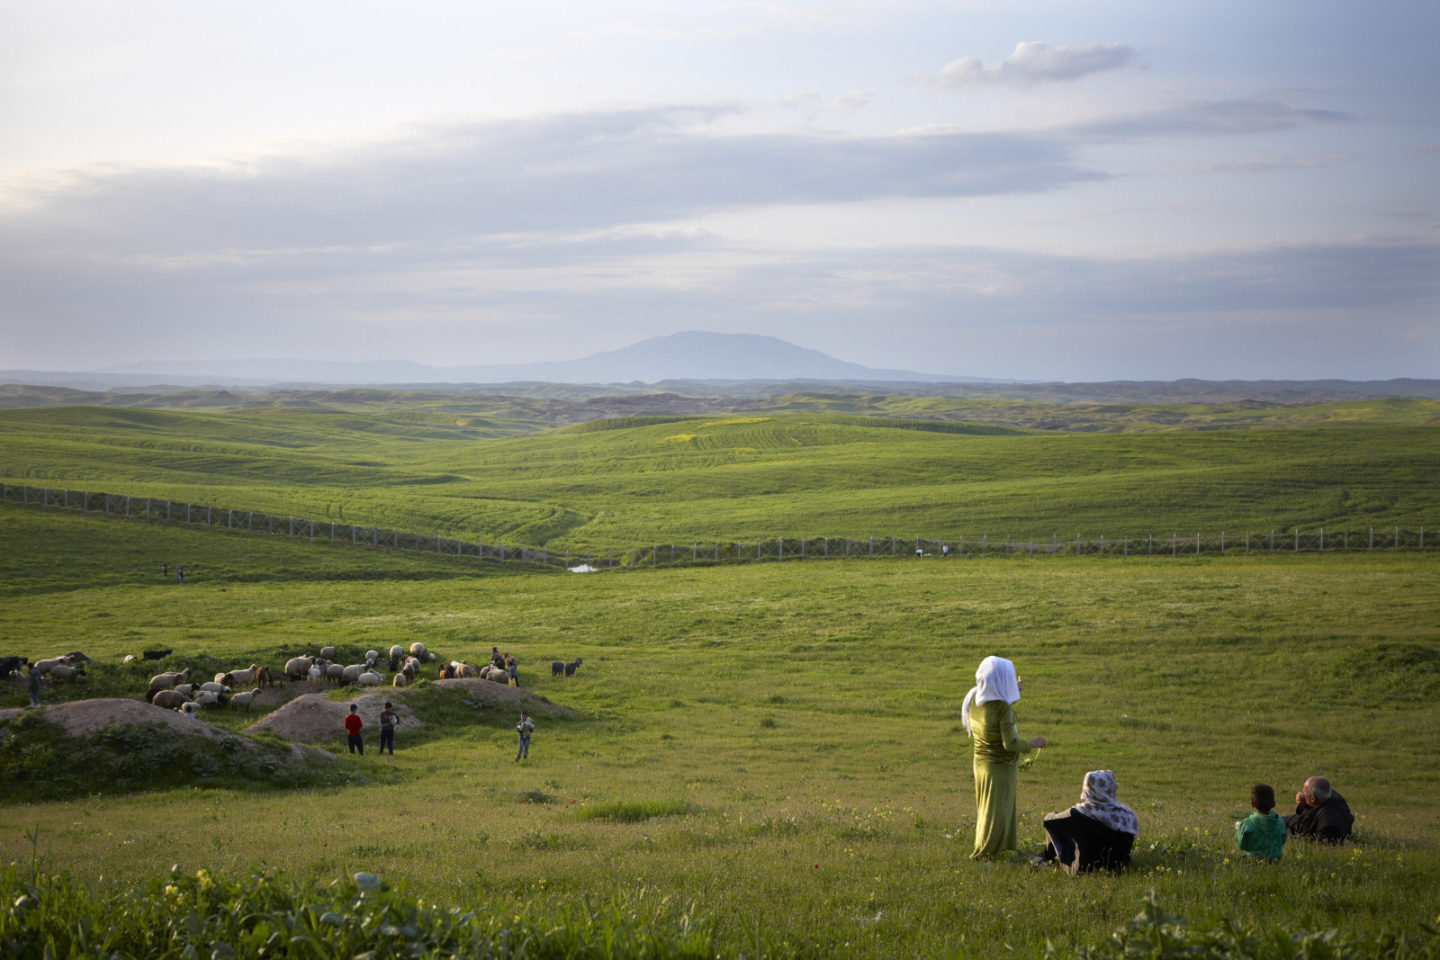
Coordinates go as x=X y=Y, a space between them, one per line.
x=79 y=718
x=314 y=718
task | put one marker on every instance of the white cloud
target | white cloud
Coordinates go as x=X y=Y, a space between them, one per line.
x=1036 y=63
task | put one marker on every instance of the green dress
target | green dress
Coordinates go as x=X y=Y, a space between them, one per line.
x=997 y=766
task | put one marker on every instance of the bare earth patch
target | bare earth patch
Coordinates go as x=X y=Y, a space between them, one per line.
x=314 y=718
x=79 y=718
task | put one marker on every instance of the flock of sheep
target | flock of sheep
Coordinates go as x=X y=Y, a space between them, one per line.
x=238 y=688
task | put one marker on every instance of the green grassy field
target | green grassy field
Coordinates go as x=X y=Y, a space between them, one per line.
x=605 y=485
x=774 y=750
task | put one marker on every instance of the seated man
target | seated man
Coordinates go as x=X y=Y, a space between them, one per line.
x=1320 y=813
x=1095 y=834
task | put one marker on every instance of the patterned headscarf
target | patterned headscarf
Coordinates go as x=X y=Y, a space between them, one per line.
x=1097 y=801
x=994 y=680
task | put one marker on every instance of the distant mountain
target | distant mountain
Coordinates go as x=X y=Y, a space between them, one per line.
x=694 y=356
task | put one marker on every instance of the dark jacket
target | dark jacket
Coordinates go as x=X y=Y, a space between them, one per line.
x=1329 y=822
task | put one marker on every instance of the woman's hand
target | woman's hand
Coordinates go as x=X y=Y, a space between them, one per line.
x=1037 y=742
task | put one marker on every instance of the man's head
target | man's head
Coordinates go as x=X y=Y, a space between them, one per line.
x=1317 y=791
x=387 y=704
x=1262 y=797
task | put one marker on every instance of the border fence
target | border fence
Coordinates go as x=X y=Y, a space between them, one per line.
x=154 y=510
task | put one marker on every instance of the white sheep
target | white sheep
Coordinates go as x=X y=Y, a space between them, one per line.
x=45 y=666
x=64 y=671
x=298 y=668
x=209 y=698
x=244 y=699
x=213 y=687
x=396 y=652
x=327 y=653
x=128 y=658
x=351 y=673
x=166 y=681
x=370 y=679
x=240 y=678
x=372 y=655
x=400 y=680
x=184 y=689
x=170 y=699
x=417 y=648
x=317 y=672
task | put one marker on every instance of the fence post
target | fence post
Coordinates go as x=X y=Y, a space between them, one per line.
x=1174 y=540
x=782 y=549
x=1272 y=539
x=1397 y=538
x=1322 y=539
x=1197 y=543
x=1297 y=539
x=872 y=548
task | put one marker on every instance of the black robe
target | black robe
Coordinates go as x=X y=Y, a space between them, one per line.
x=1082 y=844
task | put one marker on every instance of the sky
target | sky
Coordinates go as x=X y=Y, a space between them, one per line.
x=1065 y=191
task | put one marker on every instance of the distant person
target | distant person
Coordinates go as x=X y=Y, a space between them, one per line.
x=989 y=716
x=944 y=549
x=389 y=720
x=180 y=574
x=1320 y=813
x=188 y=711
x=32 y=685
x=512 y=668
x=1262 y=834
x=1097 y=833
x=164 y=569
x=352 y=727
x=524 y=729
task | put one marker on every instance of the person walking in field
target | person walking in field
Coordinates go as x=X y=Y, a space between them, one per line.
x=32 y=685
x=352 y=727
x=524 y=728
x=389 y=720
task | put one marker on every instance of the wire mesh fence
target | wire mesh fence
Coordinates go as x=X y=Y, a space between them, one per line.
x=779 y=549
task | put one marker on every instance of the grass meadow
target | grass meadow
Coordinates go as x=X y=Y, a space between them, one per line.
x=772 y=753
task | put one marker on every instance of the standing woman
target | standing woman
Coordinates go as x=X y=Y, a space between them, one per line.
x=990 y=720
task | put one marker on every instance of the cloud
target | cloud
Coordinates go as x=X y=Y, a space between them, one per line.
x=1033 y=64
x=814 y=104
x=566 y=173
x=1209 y=118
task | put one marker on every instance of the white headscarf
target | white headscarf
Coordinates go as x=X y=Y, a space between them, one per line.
x=1097 y=801
x=994 y=680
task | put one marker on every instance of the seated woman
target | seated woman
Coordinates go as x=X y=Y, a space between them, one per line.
x=1096 y=833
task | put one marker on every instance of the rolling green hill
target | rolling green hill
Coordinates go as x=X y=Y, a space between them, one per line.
x=620 y=483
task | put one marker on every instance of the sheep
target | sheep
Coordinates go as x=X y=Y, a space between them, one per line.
x=335 y=673
x=128 y=658
x=66 y=672
x=470 y=670
x=264 y=677
x=239 y=678
x=155 y=654
x=495 y=674
x=400 y=680
x=411 y=668
x=186 y=689
x=372 y=655
x=45 y=666
x=417 y=648
x=75 y=656
x=327 y=653
x=572 y=666
x=166 y=681
x=244 y=699
x=210 y=698
x=447 y=671
x=396 y=652
x=170 y=699
x=557 y=668
x=351 y=673
x=213 y=687
x=370 y=679
x=298 y=668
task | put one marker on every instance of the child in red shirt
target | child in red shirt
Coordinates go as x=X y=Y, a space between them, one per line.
x=352 y=727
